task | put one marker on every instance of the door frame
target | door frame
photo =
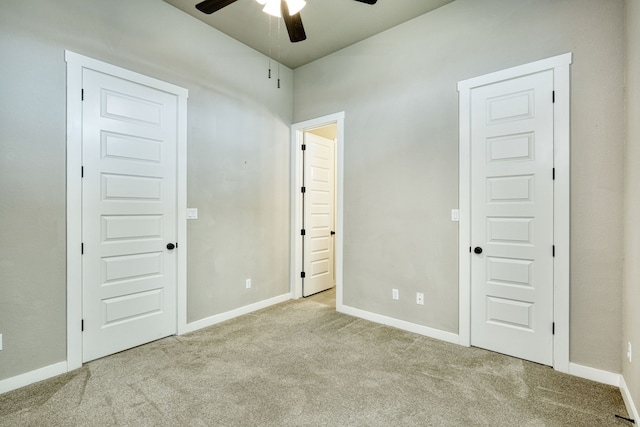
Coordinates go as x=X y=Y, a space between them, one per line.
x=297 y=138
x=75 y=64
x=560 y=65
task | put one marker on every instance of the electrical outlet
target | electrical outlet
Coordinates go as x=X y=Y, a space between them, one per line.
x=395 y=294
x=192 y=213
x=247 y=284
x=419 y=298
x=629 y=351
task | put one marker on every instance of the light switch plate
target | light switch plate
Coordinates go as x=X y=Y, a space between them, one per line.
x=455 y=215
x=192 y=213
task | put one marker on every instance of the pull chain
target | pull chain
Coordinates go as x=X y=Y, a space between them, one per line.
x=270 y=44
x=279 y=26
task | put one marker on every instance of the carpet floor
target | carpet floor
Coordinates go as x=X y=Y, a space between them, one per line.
x=300 y=363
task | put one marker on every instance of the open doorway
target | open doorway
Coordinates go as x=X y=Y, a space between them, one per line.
x=316 y=234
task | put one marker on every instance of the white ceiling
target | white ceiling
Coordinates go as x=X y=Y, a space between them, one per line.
x=330 y=25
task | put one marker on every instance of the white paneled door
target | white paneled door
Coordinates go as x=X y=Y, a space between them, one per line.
x=129 y=214
x=512 y=217
x=319 y=206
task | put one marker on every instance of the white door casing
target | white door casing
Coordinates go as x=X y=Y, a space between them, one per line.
x=77 y=65
x=129 y=145
x=559 y=67
x=297 y=139
x=319 y=184
x=512 y=217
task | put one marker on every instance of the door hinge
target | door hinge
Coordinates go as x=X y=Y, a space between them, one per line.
x=81 y=171
x=553 y=174
x=469 y=249
x=302 y=275
x=303 y=189
x=553 y=328
x=553 y=250
x=303 y=232
x=82 y=95
x=82 y=326
x=81 y=248
x=304 y=147
x=553 y=96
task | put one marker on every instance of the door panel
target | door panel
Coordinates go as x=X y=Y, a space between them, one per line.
x=512 y=217
x=129 y=214
x=319 y=181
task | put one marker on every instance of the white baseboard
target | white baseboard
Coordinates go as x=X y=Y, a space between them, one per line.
x=400 y=324
x=632 y=409
x=581 y=371
x=50 y=371
x=586 y=372
x=609 y=378
x=218 y=318
x=593 y=374
x=31 y=377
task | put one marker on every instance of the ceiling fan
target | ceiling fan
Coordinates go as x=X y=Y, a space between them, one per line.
x=293 y=21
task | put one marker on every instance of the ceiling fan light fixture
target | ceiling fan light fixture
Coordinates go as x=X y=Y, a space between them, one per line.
x=272 y=7
x=291 y=17
x=295 y=6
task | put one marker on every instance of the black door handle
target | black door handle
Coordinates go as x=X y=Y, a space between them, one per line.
x=333 y=232
x=477 y=250
x=171 y=246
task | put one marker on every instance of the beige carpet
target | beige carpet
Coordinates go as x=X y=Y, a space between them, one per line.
x=302 y=364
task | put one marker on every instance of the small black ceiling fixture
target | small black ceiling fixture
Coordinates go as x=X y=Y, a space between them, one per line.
x=292 y=22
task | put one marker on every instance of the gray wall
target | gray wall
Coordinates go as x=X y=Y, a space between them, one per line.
x=631 y=320
x=238 y=159
x=398 y=91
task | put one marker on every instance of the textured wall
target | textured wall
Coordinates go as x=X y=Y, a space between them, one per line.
x=631 y=295
x=398 y=91
x=238 y=159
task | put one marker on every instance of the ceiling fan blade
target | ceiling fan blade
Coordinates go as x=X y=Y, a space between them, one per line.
x=293 y=23
x=368 y=1
x=210 y=6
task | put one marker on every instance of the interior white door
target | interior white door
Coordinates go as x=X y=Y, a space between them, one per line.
x=319 y=213
x=512 y=217
x=129 y=214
